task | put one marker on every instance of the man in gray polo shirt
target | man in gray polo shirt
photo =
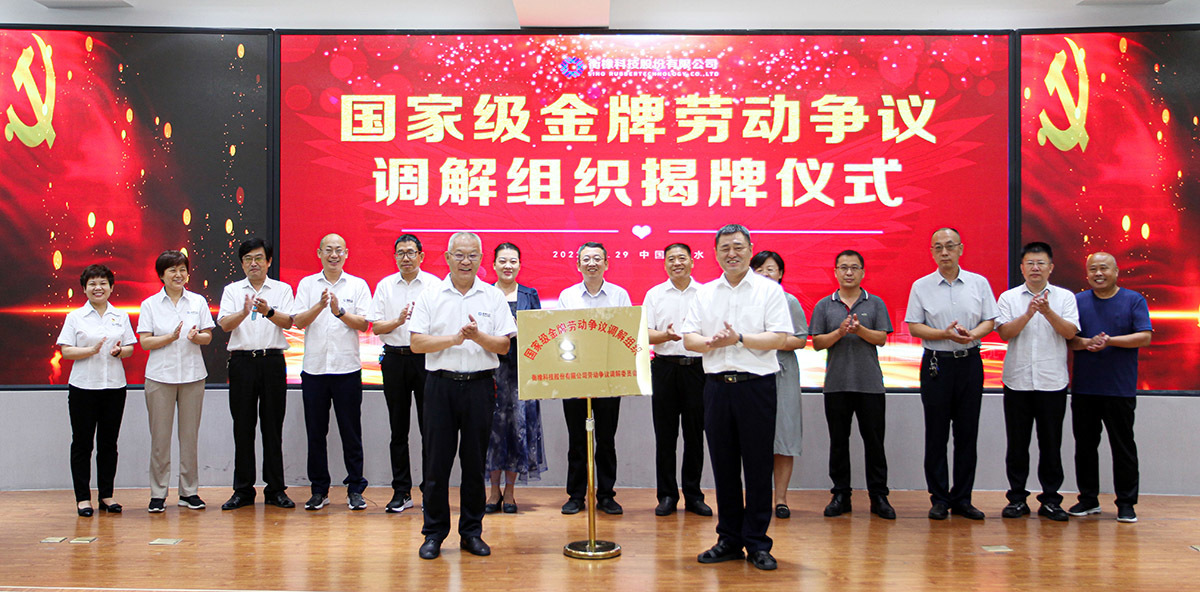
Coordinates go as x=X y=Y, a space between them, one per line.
x=852 y=324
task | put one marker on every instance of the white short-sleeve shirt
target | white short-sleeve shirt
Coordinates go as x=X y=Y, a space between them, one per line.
x=330 y=346
x=85 y=327
x=443 y=310
x=755 y=305
x=577 y=296
x=667 y=305
x=1037 y=357
x=180 y=361
x=256 y=331
x=391 y=296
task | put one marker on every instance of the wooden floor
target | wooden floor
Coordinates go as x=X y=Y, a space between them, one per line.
x=266 y=548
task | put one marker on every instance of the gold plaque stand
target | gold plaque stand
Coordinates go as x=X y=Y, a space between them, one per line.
x=591 y=548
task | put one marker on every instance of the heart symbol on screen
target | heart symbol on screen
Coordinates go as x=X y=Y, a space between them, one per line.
x=641 y=231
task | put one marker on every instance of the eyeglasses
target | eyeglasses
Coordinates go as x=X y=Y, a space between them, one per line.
x=938 y=248
x=473 y=257
x=1035 y=264
x=849 y=268
x=597 y=259
x=407 y=254
x=254 y=259
x=338 y=251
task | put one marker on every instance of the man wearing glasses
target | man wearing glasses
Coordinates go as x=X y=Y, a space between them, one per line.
x=950 y=310
x=254 y=312
x=736 y=322
x=462 y=323
x=403 y=370
x=331 y=307
x=852 y=325
x=592 y=292
x=1037 y=320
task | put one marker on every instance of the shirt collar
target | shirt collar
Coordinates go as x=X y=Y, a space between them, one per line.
x=861 y=297
x=448 y=285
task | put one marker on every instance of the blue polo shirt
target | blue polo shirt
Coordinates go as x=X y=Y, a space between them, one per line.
x=1113 y=370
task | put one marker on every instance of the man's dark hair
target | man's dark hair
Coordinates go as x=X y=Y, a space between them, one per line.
x=733 y=229
x=255 y=243
x=678 y=246
x=592 y=245
x=407 y=238
x=850 y=253
x=1037 y=247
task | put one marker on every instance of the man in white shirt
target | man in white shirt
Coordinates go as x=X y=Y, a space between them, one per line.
x=736 y=322
x=403 y=369
x=677 y=376
x=592 y=292
x=461 y=323
x=950 y=310
x=1037 y=320
x=331 y=307
x=255 y=311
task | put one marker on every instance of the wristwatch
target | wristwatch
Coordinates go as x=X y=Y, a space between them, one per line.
x=741 y=340
x=270 y=313
x=341 y=313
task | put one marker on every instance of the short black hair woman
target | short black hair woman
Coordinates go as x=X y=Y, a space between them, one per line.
x=787 y=385
x=515 y=447
x=97 y=336
x=172 y=326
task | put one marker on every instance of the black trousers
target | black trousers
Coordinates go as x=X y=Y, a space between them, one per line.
x=1022 y=410
x=403 y=379
x=606 y=411
x=95 y=416
x=257 y=392
x=951 y=397
x=458 y=416
x=344 y=392
x=678 y=401
x=840 y=409
x=1116 y=414
x=739 y=420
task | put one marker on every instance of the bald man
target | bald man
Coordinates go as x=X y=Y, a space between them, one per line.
x=331 y=307
x=1113 y=323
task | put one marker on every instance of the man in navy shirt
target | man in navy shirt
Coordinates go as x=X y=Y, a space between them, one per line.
x=1113 y=323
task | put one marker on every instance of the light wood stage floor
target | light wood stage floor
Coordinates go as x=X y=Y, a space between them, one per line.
x=267 y=548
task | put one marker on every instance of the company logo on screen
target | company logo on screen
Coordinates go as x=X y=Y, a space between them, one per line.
x=571 y=67
x=649 y=67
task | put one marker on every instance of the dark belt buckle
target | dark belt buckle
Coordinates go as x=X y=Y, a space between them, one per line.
x=962 y=353
x=729 y=378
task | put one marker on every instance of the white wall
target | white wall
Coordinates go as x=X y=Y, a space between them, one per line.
x=34 y=448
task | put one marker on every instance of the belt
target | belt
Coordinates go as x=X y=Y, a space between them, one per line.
x=255 y=353
x=958 y=353
x=403 y=350
x=732 y=377
x=462 y=376
x=680 y=360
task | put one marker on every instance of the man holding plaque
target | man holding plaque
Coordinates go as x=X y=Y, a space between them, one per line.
x=736 y=322
x=461 y=323
x=592 y=292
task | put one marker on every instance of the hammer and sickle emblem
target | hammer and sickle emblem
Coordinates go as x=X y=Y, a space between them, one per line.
x=43 y=109
x=1076 y=112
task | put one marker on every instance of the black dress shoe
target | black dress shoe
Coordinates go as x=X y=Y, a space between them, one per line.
x=1015 y=510
x=665 y=507
x=840 y=504
x=113 y=508
x=85 y=512
x=782 y=511
x=939 y=511
x=880 y=507
x=475 y=546
x=609 y=505
x=968 y=511
x=430 y=549
x=1054 y=512
x=762 y=560
x=698 y=507
x=509 y=508
x=573 y=506
x=722 y=551
x=279 y=500
x=236 y=501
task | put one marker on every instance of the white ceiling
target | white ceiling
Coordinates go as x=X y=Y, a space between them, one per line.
x=622 y=14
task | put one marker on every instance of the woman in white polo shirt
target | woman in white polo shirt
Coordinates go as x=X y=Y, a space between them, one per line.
x=172 y=326
x=97 y=337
